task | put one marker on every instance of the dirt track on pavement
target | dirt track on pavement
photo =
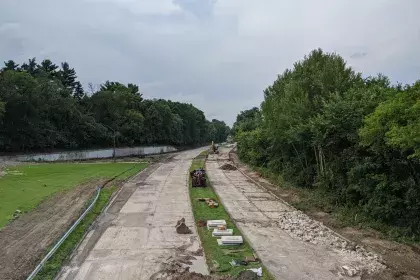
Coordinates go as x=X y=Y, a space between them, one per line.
x=24 y=241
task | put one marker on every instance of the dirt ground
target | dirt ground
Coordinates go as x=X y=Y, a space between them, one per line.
x=402 y=261
x=24 y=241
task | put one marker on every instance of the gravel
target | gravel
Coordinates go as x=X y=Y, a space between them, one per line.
x=301 y=226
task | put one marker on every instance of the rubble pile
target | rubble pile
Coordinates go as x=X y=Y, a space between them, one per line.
x=301 y=226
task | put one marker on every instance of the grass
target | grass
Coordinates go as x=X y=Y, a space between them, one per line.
x=217 y=257
x=25 y=186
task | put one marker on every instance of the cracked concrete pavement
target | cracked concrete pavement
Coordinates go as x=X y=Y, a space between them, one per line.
x=136 y=236
x=289 y=243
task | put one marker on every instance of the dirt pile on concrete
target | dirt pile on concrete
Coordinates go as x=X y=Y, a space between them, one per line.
x=228 y=166
x=181 y=227
x=300 y=226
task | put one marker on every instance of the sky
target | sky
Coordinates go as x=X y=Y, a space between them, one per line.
x=216 y=54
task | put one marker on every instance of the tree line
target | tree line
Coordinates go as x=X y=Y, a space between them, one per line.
x=44 y=107
x=356 y=140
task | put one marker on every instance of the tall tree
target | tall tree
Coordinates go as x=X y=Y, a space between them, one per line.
x=78 y=91
x=31 y=67
x=67 y=76
x=48 y=67
x=10 y=65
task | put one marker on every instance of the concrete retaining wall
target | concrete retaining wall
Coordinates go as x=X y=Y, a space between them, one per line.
x=91 y=154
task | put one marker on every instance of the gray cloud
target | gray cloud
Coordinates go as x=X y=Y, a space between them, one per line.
x=218 y=55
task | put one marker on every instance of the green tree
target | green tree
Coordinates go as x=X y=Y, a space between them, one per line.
x=10 y=65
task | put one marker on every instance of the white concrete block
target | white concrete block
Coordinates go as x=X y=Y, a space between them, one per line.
x=220 y=243
x=226 y=232
x=237 y=239
x=215 y=223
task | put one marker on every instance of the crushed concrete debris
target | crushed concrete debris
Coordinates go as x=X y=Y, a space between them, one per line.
x=301 y=226
x=349 y=271
x=181 y=227
x=228 y=166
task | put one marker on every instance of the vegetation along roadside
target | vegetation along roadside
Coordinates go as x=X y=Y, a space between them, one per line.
x=350 y=144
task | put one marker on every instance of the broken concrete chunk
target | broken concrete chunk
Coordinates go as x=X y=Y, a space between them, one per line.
x=349 y=271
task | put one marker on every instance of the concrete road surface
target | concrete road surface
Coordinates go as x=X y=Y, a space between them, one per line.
x=257 y=213
x=136 y=236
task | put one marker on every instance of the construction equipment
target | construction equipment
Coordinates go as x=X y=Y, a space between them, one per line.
x=214 y=148
x=198 y=178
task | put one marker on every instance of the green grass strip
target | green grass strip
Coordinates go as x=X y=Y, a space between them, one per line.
x=218 y=258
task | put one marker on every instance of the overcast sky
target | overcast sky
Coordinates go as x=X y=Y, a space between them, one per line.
x=217 y=54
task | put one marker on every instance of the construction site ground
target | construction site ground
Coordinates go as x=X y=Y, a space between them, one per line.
x=135 y=238
x=402 y=261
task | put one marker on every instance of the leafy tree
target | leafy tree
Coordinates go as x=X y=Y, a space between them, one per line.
x=44 y=107
x=396 y=123
x=322 y=126
x=247 y=120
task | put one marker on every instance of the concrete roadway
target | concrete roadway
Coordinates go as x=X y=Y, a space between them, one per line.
x=254 y=210
x=136 y=236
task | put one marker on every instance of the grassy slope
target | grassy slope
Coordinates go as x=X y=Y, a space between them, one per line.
x=218 y=257
x=25 y=186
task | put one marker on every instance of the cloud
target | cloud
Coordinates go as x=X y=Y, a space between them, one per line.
x=218 y=55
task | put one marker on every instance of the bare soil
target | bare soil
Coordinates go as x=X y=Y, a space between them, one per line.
x=24 y=242
x=402 y=260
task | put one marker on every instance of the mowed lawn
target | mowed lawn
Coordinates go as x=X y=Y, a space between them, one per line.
x=25 y=186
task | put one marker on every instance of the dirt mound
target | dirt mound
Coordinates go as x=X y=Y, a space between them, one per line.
x=228 y=166
x=181 y=227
